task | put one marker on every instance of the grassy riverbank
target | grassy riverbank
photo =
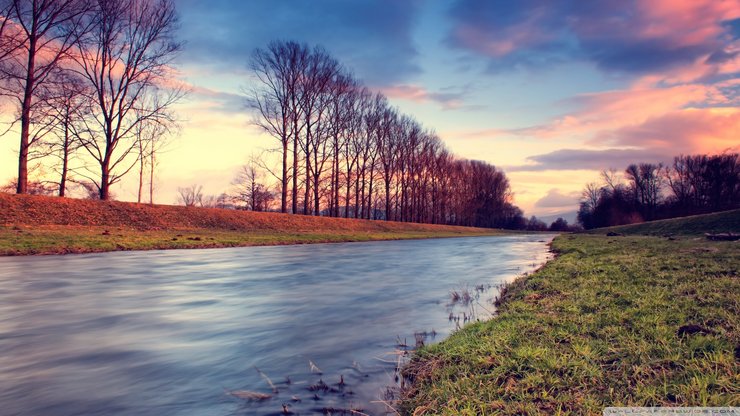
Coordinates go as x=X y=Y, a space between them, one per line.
x=625 y=320
x=47 y=225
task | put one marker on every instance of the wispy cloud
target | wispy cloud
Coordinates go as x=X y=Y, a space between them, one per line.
x=372 y=37
x=580 y=159
x=217 y=101
x=451 y=98
x=693 y=130
x=642 y=36
x=555 y=198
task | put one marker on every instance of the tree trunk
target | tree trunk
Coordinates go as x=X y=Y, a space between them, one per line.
x=284 y=191
x=104 y=186
x=357 y=195
x=316 y=196
x=22 y=185
x=105 y=179
x=362 y=196
x=152 y=161
x=295 y=172
x=349 y=193
x=253 y=196
x=336 y=177
x=141 y=174
x=387 y=181
x=307 y=190
x=65 y=160
x=370 y=194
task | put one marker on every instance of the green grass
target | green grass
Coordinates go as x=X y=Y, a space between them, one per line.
x=39 y=239
x=598 y=326
x=727 y=221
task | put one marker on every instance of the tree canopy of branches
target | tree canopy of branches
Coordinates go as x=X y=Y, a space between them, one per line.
x=35 y=41
x=344 y=151
x=249 y=191
x=64 y=115
x=190 y=196
x=693 y=184
x=125 y=59
x=93 y=75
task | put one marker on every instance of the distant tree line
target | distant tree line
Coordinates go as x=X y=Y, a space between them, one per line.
x=91 y=82
x=559 y=225
x=692 y=184
x=345 y=152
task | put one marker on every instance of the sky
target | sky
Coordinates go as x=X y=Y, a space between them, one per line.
x=552 y=92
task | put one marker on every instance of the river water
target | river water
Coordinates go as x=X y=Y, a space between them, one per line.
x=189 y=332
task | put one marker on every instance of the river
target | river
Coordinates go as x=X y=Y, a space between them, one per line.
x=189 y=332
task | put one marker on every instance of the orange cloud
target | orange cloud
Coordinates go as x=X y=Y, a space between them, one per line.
x=687 y=22
x=694 y=130
x=448 y=100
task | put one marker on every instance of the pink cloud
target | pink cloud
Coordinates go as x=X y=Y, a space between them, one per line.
x=555 y=198
x=610 y=110
x=685 y=22
x=696 y=130
x=642 y=36
x=527 y=32
x=448 y=100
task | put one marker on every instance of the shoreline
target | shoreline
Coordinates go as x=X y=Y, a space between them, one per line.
x=62 y=240
x=35 y=225
x=587 y=330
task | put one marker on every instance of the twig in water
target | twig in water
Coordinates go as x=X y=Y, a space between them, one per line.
x=484 y=308
x=400 y=343
x=388 y=405
x=249 y=395
x=267 y=379
x=396 y=352
x=313 y=367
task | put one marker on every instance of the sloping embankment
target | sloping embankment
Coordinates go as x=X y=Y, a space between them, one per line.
x=44 y=225
x=718 y=222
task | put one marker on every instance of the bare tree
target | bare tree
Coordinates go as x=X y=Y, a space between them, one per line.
x=64 y=112
x=190 y=196
x=278 y=70
x=646 y=183
x=249 y=189
x=612 y=179
x=44 y=31
x=590 y=195
x=317 y=95
x=348 y=146
x=151 y=137
x=387 y=149
x=11 y=38
x=125 y=58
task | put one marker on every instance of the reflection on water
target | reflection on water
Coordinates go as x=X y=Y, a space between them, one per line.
x=173 y=332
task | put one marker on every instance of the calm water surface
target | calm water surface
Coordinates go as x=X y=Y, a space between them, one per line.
x=173 y=332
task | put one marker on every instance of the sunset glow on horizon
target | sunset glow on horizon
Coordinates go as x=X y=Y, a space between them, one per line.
x=550 y=92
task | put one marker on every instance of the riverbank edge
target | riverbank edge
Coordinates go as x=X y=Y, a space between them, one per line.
x=500 y=366
x=59 y=240
x=32 y=224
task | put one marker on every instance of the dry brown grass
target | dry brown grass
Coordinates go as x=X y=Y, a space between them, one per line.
x=51 y=225
x=41 y=210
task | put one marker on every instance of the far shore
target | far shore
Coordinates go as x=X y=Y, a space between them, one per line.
x=44 y=240
x=35 y=225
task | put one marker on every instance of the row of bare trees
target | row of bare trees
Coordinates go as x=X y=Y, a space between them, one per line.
x=692 y=184
x=344 y=151
x=90 y=82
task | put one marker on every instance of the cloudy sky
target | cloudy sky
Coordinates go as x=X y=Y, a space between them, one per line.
x=550 y=91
